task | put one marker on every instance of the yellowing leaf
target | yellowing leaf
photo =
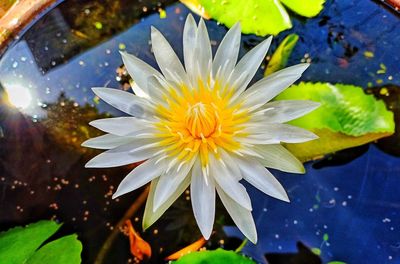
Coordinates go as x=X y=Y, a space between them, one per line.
x=139 y=248
x=196 y=7
x=329 y=142
x=186 y=250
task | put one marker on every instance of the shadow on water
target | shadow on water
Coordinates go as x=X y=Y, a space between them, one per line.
x=351 y=196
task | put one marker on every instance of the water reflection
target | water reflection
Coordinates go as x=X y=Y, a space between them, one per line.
x=76 y=47
x=19 y=96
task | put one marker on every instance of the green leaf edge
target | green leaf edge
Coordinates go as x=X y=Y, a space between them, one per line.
x=214 y=255
x=8 y=234
x=386 y=121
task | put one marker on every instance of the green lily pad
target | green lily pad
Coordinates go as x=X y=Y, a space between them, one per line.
x=64 y=250
x=346 y=118
x=21 y=245
x=281 y=55
x=218 y=256
x=256 y=17
x=309 y=8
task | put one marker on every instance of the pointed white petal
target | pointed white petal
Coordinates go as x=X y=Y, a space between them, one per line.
x=166 y=58
x=189 y=40
x=278 y=157
x=240 y=216
x=249 y=64
x=157 y=91
x=266 y=89
x=140 y=71
x=202 y=194
x=120 y=126
x=149 y=216
x=123 y=155
x=169 y=182
x=276 y=133
x=269 y=87
x=230 y=163
x=203 y=52
x=106 y=141
x=285 y=110
x=227 y=54
x=126 y=102
x=139 y=91
x=261 y=178
x=223 y=176
x=139 y=176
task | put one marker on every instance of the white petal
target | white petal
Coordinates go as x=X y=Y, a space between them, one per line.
x=139 y=91
x=269 y=87
x=169 y=182
x=230 y=163
x=278 y=157
x=123 y=155
x=275 y=133
x=203 y=52
x=120 y=126
x=189 y=40
x=157 y=90
x=223 y=176
x=167 y=59
x=139 y=176
x=285 y=110
x=106 y=141
x=202 y=194
x=240 y=216
x=149 y=216
x=261 y=178
x=250 y=64
x=140 y=71
x=227 y=54
x=126 y=102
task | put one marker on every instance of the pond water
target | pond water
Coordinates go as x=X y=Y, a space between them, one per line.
x=347 y=205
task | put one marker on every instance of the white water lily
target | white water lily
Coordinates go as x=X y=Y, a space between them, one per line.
x=198 y=125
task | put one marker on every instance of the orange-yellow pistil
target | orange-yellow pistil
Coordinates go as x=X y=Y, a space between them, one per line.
x=199 y=121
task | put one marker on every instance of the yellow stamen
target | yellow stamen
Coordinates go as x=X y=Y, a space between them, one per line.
x=196 y=122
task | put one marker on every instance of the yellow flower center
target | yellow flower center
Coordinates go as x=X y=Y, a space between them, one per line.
x=197 y=122
x=201 y=120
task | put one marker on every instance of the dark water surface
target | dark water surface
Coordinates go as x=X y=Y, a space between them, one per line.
x=348 y=206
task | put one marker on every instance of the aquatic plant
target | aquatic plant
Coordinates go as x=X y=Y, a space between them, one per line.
x=257 y=17
x=347 y=118
x=199 y=125
x=27 y=245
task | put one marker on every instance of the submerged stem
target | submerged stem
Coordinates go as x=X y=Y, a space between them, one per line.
x=128 y=214
x=242 y=245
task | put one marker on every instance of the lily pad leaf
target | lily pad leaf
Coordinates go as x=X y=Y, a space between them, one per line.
x=309 y=8
x=22 y=245
x=64 y=250
x=256 y=17
x=346 y=118
x=219 y=256
x=281 y=55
